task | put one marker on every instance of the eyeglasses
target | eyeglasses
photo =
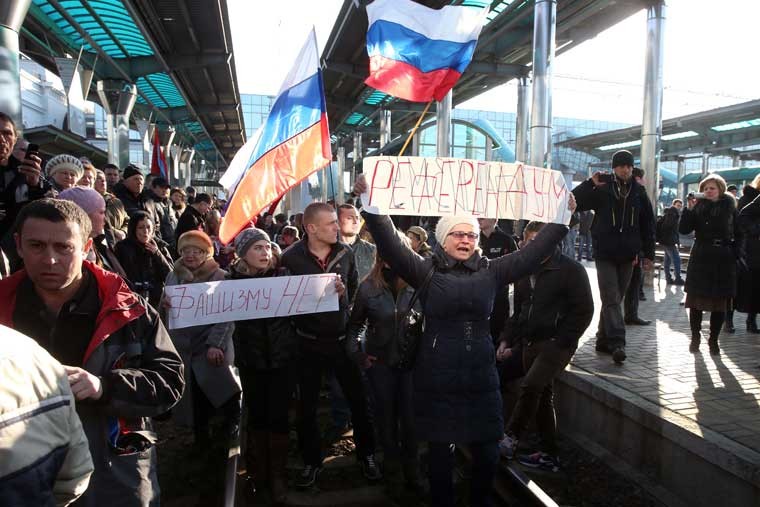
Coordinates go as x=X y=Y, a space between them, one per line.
x=192 y=251
x=460 y=235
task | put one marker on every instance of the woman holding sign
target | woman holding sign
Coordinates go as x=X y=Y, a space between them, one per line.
x=265 y=352
x=456 y=385
x=206 y=350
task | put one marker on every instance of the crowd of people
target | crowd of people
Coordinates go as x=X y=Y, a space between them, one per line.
x=88 y=253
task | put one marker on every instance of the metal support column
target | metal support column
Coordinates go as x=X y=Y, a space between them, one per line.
x=544 y=28
x=339 y=186
x=358 y=155
x=680 y=187
x=12 y=14
x=188 y=156
x=117 y=97
x=705 y=163
x=443 y=126
x=145 y=129
x=523 y=119
x=385 y=127
x=651 y=125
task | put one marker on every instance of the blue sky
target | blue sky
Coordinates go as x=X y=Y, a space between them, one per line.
x=709 y=58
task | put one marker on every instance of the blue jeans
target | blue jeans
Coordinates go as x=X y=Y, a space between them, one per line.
x=584 y=242
x=394 y=411
x=672 y=256
x=568 y=244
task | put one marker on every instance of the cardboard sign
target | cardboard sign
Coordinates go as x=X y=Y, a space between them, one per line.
x=421 y=186
x=198 y=304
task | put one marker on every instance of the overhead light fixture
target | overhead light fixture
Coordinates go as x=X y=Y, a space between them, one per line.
x=679 y=135
x=737 y=125
x=620 y=146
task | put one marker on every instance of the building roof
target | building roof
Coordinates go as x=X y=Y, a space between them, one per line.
x=732 y=131
x=54 y=141
x=177 y=53
x=504 y=52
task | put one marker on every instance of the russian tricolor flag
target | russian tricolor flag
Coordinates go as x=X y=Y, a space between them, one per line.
x=418 y=53
x=158 y=162
x=293 y=143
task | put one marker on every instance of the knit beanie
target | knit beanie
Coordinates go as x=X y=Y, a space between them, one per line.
x=247 y=238
x=446 y=223
x=130 y=171
x=62 y=162
x=419 y=232
x=87 y=198
x=197 y=239
x=622 y=157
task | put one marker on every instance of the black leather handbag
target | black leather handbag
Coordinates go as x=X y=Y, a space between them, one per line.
x=412 y=324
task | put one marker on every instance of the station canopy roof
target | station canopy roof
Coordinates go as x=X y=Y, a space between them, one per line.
x=732 y=131
x=503 y=53
x=178 y=53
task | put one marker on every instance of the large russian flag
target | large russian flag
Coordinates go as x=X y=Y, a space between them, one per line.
x=418 y=53
x=293 y=143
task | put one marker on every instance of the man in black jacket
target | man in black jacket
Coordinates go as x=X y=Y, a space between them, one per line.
x=158 y=195
x=623 y=227
x=635 y=292
x=121 y=363
x=495 y=242
x=21 y=182
x=130 y=192
x=194 y=216
x=553 y=308
x=667 y=236
x=322 y=335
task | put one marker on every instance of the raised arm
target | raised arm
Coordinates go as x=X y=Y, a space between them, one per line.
x=688 y=221
x=511 y=267
x=585 y=195
x=408 y=264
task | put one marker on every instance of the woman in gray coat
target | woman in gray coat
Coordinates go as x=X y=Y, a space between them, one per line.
x=456 y=396
x=206 y=350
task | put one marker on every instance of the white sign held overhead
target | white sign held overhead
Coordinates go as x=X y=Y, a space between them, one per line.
x=198 y=304
x=429 y=186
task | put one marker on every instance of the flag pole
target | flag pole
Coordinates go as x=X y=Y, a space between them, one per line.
x=414 y=130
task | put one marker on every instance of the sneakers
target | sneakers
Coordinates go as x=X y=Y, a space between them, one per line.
x=309 y=476
x=508 y=446
x=540 y=460
x=618 y=355
x=370 y=469
x=679 y=281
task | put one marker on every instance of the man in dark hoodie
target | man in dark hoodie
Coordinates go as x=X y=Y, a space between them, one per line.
x=623 y=227
x=553 y=308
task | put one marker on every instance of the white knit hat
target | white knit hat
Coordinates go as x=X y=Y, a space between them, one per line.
x=63 y=161
x=446 y=223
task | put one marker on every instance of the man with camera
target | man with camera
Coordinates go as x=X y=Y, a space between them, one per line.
x=623 y=227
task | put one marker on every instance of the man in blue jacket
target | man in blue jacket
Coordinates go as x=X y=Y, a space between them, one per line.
x=623 y=227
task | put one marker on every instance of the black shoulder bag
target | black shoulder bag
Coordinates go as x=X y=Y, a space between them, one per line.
x=412 y=325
